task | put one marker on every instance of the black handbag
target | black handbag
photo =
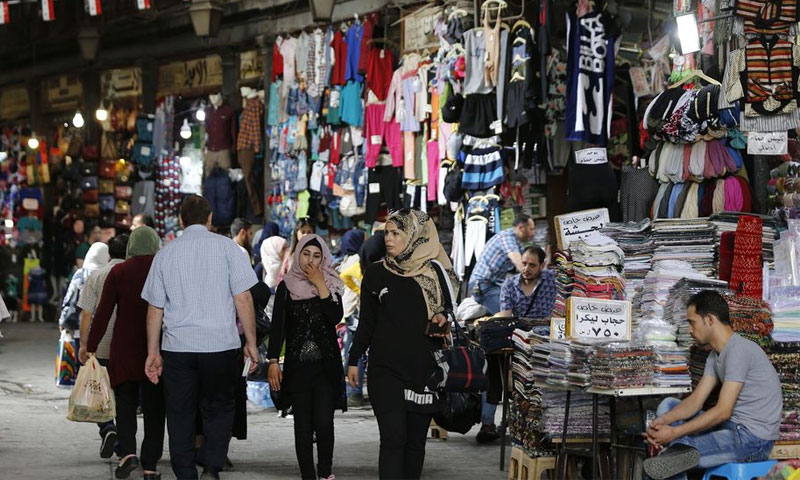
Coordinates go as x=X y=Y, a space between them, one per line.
x=462 y=410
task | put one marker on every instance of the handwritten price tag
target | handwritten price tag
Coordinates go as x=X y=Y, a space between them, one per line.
x=558 y=328
x=594 y=319
x=591 y=156
x=767 y=143
x=577 y=225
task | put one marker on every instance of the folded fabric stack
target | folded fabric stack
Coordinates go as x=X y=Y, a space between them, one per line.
x=540 y=359
x=785 y=303
x=525 y=415
x=622 y=365
x=598 y=265
x=653 y=298
x=692 y=241
x=521 y=369
x=580 y=414
x=569 y=364
x=785 y=357
x=697 y=362
x=751 y=318
x=635 y=240
x=728 y=221
x=559 y=361
x=564 y=282
x=679 y=295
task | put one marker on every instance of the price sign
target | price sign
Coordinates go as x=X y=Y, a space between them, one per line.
x=591 y=156
x=594 y=319
x=767 y=143
x=558 y=328
x=578 y=225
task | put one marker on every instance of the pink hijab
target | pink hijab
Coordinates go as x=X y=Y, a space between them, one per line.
x=297 y=283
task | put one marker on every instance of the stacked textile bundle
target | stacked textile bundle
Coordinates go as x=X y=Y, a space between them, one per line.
x=521 y=368
x=697 y=362
x=564 y=282
x=751 y=318
x=785 y=357
x=540 y=360
x=622 y=365
x=655 y=294
x=635 y=240
x=692 y=241
x=580 y=414
x=728 y=221
x=679 y=295
x=525 y=415
x=785 y=303
x=598 y=265
x=569 y=364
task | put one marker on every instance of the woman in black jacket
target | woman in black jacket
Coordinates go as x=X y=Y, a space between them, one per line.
x=405 y=310
x=308 y=305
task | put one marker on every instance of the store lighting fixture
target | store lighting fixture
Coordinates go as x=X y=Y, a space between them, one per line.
x=200 y=115
x=33 y=143
x=322 y=10
x=688 y=35
x=77 y=120
x=206 y=16
x=101 y=114
x=186 y=130
x=9 y=223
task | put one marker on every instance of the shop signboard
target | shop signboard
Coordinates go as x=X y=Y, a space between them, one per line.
x=121 y=83
x=767 y=143
x=558 y=328
x=62 y=94
x=595 y=319
x=14 y=102
x=251 y=65
x=190 y=77
x=577 y=225
x=418 y=29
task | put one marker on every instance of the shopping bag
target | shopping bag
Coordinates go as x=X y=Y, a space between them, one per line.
x=92 y=399
x=462 y=411
x=66 y=361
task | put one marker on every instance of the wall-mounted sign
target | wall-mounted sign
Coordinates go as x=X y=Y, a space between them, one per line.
x=418 y=29
x=14 y=102
x=251 y=65
x=61 y=94
x=121 y=83
x=191 y=76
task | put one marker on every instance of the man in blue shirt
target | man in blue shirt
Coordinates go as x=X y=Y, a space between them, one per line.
x=501 y=255
x=532 y=293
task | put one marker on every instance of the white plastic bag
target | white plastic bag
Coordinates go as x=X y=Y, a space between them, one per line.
x=92 y=398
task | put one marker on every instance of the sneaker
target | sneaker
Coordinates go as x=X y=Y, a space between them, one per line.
x=332 y=477
x=355 y=401
x=671 y=462
x=109 y=442
x=488 y=434
x=210 y=474
x=127 y=467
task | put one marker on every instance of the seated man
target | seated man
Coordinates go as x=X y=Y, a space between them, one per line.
x=746 y=419
x=531 y=293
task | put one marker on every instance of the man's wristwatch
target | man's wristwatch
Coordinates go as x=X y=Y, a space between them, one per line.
x=273 y=361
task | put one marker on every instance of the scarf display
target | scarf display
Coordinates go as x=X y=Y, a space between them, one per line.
x=414 y=261
x=746 y=273
x=274 y=263
x=297 y=283
x=143 y=241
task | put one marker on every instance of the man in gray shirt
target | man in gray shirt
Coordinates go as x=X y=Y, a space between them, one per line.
x=743 y=424
x=197 y=287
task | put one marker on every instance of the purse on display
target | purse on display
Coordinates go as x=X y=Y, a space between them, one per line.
x=108 y=169
x=143 y=154
x=89 y=183
x=90 y=196
x=91 y=210
x=105 y=186
x=122 y=207
x=88 y=169
x=107 y=203
x=123 y=192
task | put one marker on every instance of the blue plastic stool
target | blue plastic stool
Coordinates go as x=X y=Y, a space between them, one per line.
x=740 y=471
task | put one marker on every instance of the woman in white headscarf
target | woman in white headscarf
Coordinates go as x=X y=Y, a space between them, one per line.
x=96 y=257
x=274 y=253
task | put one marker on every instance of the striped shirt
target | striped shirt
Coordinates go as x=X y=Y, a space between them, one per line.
x=194 y=279
x=90 y=299
x=773 y=17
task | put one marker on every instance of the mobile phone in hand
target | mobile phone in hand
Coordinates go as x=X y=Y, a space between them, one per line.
x=435 y=329
x=247 y=363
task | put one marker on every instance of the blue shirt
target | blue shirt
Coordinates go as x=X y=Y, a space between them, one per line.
x=353 y=40
x=494 y=264
x=194 y=279
x=540 y=302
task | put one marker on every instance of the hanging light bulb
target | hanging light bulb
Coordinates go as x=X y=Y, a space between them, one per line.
x=186 y=130
x=77 y=120
x=101 y=114
x=200 y=115
x=33 y=143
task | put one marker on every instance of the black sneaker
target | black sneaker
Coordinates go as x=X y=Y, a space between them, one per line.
x=488 y=434
x=127 y=467
x=355 y=401
x=109 y=442
x=210 y=474
x=671 y=462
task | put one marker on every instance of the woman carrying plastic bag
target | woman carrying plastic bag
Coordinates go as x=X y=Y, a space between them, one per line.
x=92 y=399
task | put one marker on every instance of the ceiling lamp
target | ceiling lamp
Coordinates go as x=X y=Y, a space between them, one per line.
x=89 y=42
x=322 y=10
x=206 y=17
x=688 y=35
x=101 y=114
x=186 y=130
x=77 y=120
x=200 y=115
x=33 y=143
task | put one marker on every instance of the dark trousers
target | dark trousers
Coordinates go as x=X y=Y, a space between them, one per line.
x=313 y=413
x=108 y=426
x=247 y=160
x=207 y=380
x=127 y=396
x=403 y=437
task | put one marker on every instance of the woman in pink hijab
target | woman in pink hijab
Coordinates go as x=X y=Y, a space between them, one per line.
x=308 y=305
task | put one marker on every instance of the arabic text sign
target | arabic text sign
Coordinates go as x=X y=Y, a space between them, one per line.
x=558 y=328
x=577 y=225
x=767 y=143
x=594 y=319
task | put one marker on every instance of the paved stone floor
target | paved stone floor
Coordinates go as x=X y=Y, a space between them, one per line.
x=38 y=442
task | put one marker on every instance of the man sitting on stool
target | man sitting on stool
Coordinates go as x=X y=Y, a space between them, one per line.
x=743 y=424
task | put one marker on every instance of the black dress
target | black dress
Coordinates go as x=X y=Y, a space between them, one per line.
x=312 y=348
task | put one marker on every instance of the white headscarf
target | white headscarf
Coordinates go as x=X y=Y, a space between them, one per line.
x=274 y=263
x=96 y=257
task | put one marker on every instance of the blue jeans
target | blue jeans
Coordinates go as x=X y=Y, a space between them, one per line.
x=349 y=334
x=487 y=294
x=728 y=442
x=488 y=411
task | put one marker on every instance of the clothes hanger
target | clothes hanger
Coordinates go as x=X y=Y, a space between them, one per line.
x=695 y=74
x=493 y=5
x=521 y=23
x=457 y=11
